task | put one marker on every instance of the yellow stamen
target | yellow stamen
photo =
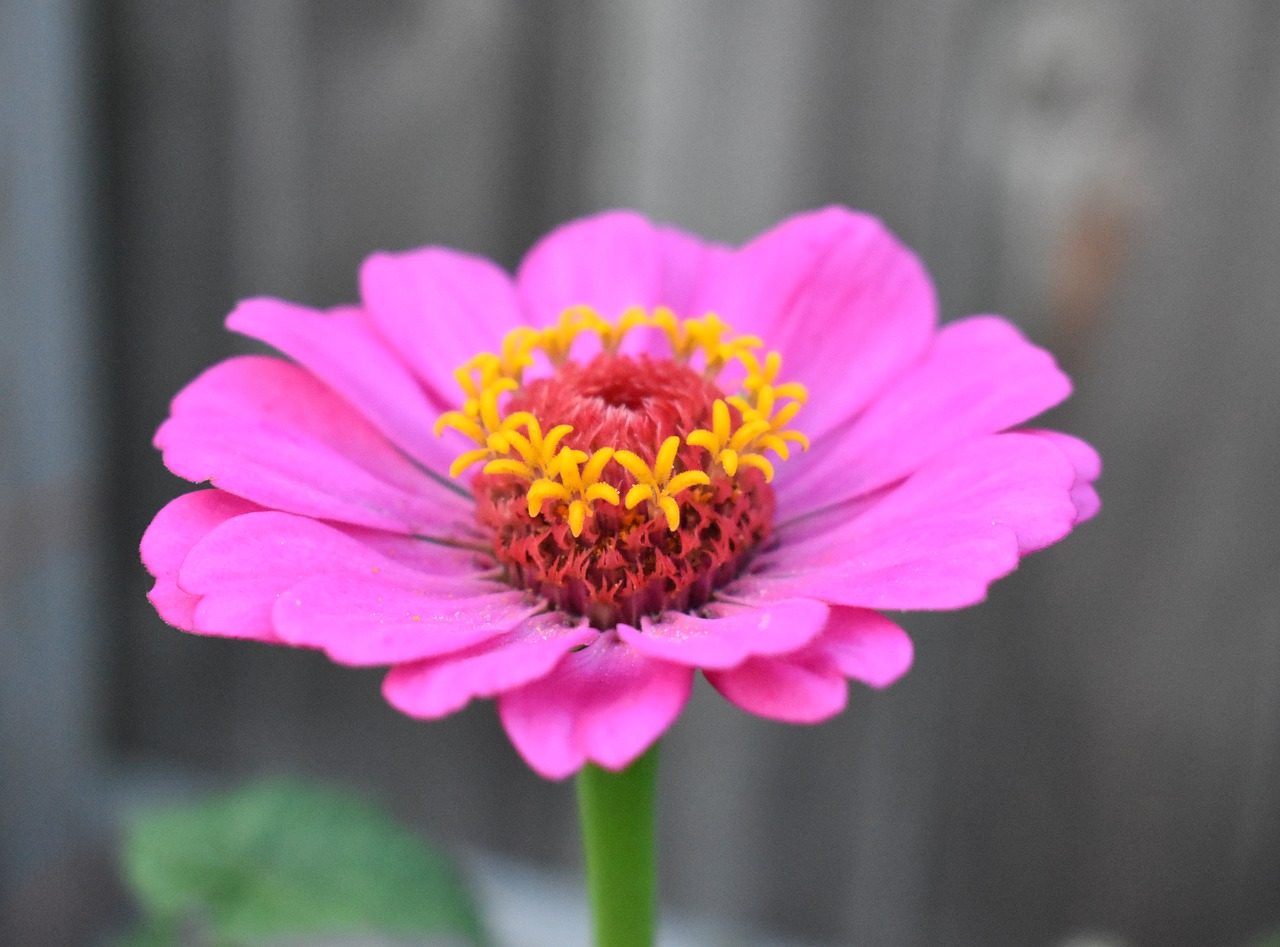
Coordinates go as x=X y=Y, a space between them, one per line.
x=517 y=349
x=760 y=463
x=712 y=335
x=773 y=434
x=513 y=444
x=556 y=340
x=537 y=452
x=579 y=488
x=656 y=484
x=682 y=343
x=733 y=449
x=466 y=459
x=611 y=336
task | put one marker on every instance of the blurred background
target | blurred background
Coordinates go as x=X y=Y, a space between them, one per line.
x=1095 y=749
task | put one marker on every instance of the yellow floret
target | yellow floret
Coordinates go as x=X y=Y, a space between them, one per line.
x=580 y=488
x=656 y=484
x=513 y=444
x=733 y=449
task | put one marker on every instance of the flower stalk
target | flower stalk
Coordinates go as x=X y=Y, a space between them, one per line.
x=617 y=815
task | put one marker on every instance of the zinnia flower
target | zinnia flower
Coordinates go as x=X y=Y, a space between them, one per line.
x=643 y=456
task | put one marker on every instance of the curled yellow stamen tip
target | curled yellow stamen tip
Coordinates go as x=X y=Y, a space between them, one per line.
x=676 y=331
x=671 y=510
x=761 y=374
x=611 y=336
x=683 y=481
x=748 y=433
x=466 y=459
x=602 y=491
x=760 y=463
x=638 y=494
x=793 y=390
x=457 y=421
x=577 y=517
x=505 y=465
x=634 y=464
x=595 y=467
x=777 y=445
x=517 y=349
x=556 y=341
x=796 y=437
x=542 y=490
x=666 y=459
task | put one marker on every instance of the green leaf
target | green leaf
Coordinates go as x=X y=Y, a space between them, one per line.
x=285 y=858
x=150 y=933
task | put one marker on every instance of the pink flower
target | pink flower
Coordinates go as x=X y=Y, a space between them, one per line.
x=711 y=507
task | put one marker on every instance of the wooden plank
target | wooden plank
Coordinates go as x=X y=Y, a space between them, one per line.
x=50 y=592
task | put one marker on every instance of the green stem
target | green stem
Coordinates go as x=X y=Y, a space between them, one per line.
x=616 y=811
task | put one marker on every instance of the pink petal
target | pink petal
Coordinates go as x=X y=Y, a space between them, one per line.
x=1088 y=467
x=176 y=528
x=438 y=308
x=865 y=646
x=418 y=554
x=937 y=540
x=344 y=350
x=687 y=262
x=610 y=261
x=728 y=634
x=606 y=704
x=847 y=305
x=269 y=431
x=810 y=684
x=979 y=377
x=805 y=689
x=439 y=686
x=242 y=567
x=365 y=620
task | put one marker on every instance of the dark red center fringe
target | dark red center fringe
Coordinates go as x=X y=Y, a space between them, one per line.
x=626 y=563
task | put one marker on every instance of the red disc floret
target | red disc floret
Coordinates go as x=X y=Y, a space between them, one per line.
x=626 y=563
x=621 y=401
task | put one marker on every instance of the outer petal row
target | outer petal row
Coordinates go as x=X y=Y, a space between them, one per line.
x=939 y=539
x=439 y=686
x=344 y=350
x=271 y=432
x=847 y=305
x=980 y=376
x=228 y=568
x=609 y=702
x=176 y=528
x=606 y=704
x=438 y=308
x=811 y=684
x=725 y=635
x=241 y=568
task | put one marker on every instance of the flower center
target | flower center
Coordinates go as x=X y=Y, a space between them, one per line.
x=624 y=485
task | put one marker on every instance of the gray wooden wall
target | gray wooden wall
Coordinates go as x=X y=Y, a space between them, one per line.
x=1096 y=748
x=53 y=627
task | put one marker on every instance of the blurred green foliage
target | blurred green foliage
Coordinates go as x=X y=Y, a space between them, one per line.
x=285 y=858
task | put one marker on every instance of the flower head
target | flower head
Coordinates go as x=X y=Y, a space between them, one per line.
x=640 y=457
